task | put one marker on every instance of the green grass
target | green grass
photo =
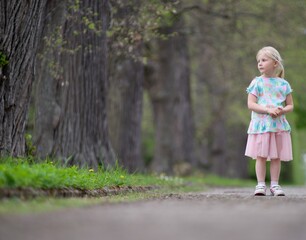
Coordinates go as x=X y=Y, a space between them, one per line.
x=15 y=173
x=21 y=173
x=24 y=173
x=47 y=175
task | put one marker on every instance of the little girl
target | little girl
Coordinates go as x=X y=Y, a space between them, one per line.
x=269 y=98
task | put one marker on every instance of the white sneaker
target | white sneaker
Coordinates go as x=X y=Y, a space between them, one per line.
x=260 y=190
x=276 y=190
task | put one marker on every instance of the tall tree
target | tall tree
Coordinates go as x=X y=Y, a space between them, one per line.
x=169 y=90
x=49 y=73
x=125 y=93
x=80 y=128
x=134 y=25
x=20 y=30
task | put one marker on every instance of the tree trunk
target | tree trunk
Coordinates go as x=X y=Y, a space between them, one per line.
x=49 y=72
x=215 y=107
x=125 y=113
x=125 y=97
x=76 y=106
x=218 y=150
x=82 y=134
x=20 y=30
x=238 y=162
x=169 y=90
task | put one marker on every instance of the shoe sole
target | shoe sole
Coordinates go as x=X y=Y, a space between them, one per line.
x=280 y=195
x=259 y=194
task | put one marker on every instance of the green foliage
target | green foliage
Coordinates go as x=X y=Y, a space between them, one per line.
x=49 y=175
x=75 y=7
x=3 y=60
x=19 y=172
x=83 y=22
x=30 y=148
x=135 y=22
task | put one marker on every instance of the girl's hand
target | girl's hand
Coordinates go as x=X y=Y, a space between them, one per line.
x=279 y=111
x=274 y=112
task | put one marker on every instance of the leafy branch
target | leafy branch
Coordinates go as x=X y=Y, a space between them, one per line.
x=3 y=60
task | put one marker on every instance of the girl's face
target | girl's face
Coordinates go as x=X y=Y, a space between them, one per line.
x=266 y=65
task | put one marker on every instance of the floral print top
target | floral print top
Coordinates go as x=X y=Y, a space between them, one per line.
x=270 y=92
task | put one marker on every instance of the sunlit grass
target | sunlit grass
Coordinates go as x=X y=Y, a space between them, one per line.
x=16 y=173
x=22 y=173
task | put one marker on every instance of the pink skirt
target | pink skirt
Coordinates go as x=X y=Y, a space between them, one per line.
x=270 y=145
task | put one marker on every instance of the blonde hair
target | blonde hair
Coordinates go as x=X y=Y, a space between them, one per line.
x=272 y=53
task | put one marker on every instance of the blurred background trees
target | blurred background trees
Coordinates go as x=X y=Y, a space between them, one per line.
x=125 y=83
x=159 y=85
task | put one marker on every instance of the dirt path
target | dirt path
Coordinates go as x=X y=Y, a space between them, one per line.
x=213 y=215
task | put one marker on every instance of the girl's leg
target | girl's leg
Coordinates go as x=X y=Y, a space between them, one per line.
x=260 y=168
x=275 y=168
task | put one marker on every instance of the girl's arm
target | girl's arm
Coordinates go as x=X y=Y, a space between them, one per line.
x=289 y=105
x=254 y=106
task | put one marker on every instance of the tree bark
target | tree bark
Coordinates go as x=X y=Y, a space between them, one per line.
x=82 y=134
x=125 y=97
x=74 y=106
x=169 y=90
x=20 y=31
x=49 y=73
x=125 y=113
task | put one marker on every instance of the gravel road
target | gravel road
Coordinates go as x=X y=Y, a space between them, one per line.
x=217 y=214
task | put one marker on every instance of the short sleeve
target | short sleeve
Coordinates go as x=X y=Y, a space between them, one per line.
x=288 y=89
x=253 y=88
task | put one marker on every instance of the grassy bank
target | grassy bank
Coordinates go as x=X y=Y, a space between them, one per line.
x=21 y=173
x=24 y=173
